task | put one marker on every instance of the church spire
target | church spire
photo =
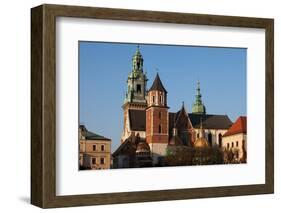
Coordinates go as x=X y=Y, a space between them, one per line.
x=137 y=61
x=136 y=82
x=198 y=106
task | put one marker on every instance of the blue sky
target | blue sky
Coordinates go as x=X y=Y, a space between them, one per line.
x=104 y=67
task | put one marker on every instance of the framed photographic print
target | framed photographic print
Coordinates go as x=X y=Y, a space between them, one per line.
x=136 y=106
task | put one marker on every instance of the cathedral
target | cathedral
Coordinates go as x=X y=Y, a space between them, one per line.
x=151 y=131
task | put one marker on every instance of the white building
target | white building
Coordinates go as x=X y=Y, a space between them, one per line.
x=235 y=139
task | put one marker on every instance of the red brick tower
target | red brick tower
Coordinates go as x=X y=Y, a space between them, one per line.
x=157 y=128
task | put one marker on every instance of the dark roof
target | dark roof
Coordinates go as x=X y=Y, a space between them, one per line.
x=129 y=146
x=157 y=85
x=93 y=136
x=240 y=126
x=178 y=119
x=137 y=119
x=210 y=121
x=83 y=127
x=90 y=135
x=121 y=148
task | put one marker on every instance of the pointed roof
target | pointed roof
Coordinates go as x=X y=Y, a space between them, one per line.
x=157 y=85
x=181 y=115
x=198 y=106
x=240 y=126
x=210 y=121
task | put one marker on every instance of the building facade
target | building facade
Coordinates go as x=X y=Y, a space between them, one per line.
x=94 y=150
x=146 y=114
x=235 y=141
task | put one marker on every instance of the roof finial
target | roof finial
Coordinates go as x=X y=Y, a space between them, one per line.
x=198 y=85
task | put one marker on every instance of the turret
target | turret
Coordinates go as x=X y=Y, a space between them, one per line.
x=157 y=120
x=136 y=82
x=198 y=106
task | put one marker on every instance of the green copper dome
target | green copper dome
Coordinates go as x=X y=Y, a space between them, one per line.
x=198 y=106
x=136 y=82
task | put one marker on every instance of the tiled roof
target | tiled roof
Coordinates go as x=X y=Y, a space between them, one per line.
x=240 y=126
x=210 y=121
x=157 y=85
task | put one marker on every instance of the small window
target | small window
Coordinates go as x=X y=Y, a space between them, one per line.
x=210 y=139
x=198 y=135
x=232 y=144
x=153 y=99
x=94 y=161
x=159 y=128
x=160 y=99
x=220 y=140
x=228 y=145
x=101 y=160
x=94 y=147
x=138 y=88
x=237 y=143
x=102 y=147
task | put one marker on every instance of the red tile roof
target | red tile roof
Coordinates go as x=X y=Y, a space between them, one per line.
x=239 y=126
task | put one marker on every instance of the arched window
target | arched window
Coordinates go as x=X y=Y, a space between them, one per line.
x=153 y=99
x=160 y=99
x=210 y=139
x=159 y=128
x=220 y=140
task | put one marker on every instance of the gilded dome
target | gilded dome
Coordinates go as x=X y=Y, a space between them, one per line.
x=201 y=143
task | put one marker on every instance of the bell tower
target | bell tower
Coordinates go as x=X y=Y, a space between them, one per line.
x=157 y=122
x=136 y=82
x=198 y=106
x=136 y=94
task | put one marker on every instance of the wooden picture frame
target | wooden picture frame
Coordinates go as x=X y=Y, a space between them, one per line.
x=43 y=105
